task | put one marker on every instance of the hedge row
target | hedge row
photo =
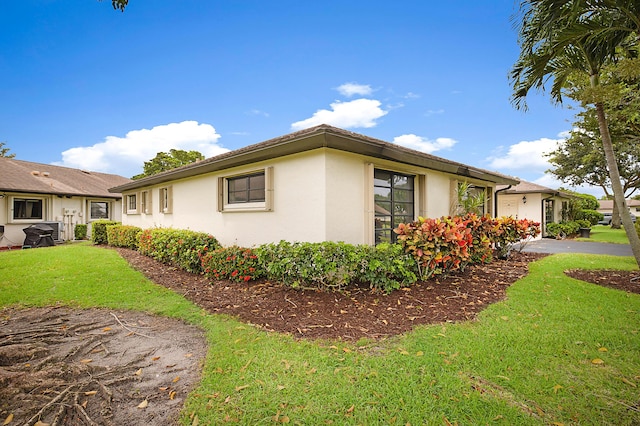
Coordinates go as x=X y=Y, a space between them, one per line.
x=427 y=247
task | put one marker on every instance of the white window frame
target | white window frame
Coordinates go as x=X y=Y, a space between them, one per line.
x=260 y=206
x=109 y=209
x=11 y=212
x=126 y=203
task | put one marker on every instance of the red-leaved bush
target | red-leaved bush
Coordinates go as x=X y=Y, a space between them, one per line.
x=449 y=244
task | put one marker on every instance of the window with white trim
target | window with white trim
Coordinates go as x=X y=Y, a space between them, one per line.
x=28 y=208
x=99 y=210
x=251 y=191
x=131 y=204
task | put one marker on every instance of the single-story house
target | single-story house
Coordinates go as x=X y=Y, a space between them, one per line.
x=528 y=200
x=606 y=206
x=314 y=185
x=62 y=197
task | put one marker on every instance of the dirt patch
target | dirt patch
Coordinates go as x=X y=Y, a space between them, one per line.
x=60 y=366
x=358 y=313
x=620 y=280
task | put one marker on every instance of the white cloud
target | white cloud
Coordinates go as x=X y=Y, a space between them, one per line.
x=422 y=144
x=431 y=112
x=352 y=89
x=356 y=113
x=526 y=155
x=126 y=155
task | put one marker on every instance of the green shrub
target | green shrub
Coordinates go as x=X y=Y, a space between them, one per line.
x=231 y=263
x=181 y=248
x=637 y=226
x=583 y=223
x=80 y=231
x=335 y=266
x=99 y=231
x=123 y=236
x=327 y=265
x=385 y=267
x=592 y=216
x=562 y=229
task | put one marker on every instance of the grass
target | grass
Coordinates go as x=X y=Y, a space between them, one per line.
x=606 y=234
x=528 y=360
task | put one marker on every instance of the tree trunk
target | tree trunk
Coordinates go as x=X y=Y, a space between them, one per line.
x=616 y=184
x=616 y=222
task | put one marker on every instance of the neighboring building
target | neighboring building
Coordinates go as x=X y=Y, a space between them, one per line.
x=62 y=197
x=318 y=184
x=531 y=201
x=606 y=206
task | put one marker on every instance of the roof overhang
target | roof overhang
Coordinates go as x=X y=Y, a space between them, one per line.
x=318 y=137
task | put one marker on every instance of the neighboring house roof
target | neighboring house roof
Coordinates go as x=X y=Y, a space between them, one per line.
x=525 y=187
x=322 y=136
x=38 y=178
x=608 y=204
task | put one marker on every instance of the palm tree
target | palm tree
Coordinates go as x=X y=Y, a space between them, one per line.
x=563 y=38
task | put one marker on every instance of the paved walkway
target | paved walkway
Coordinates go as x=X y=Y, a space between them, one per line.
x=548 y=245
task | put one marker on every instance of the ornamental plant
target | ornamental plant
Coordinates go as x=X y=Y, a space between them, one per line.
x=385 y=267
x=438 y=245
x=327 y=265
x=182 y=248
x=99 y=231
x=231 y=263
x=123 y=236
x=507 y=231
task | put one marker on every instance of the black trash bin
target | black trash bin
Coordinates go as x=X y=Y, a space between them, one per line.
x=39 y=235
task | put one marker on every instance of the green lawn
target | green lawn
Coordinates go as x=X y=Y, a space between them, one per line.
x=605 y=234
x=526 y=360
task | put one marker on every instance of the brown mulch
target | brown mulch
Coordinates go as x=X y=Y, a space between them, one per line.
x=628 y=281
x=357 y=313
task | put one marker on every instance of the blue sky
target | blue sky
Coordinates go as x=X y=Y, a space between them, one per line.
x=83 y=85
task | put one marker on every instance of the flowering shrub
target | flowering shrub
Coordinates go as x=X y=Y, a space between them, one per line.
x=123 y=236
x=181 y=248
x=231 y=263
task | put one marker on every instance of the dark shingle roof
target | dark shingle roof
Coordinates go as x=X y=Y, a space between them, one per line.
x=38 y=178
x=322 y=136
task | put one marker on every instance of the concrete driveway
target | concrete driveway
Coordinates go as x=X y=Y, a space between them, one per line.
x=548 y=245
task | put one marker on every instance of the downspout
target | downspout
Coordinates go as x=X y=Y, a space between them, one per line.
x=495 y=200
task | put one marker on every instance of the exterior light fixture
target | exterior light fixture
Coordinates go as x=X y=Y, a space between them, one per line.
x=524 y=199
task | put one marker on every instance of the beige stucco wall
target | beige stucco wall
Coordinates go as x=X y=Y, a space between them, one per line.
x=68 y=211
x=320 y=195
x=533 y=209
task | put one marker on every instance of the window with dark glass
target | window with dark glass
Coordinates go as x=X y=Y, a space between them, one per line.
x=132 y=202
x=393 y=199
x=246 y=189
x=99 y=210
x=24 y=208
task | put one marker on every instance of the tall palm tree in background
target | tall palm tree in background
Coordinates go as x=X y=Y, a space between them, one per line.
x=561 y=39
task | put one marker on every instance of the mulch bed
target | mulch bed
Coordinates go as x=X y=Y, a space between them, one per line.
x=349 y=315
x=361 y=312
